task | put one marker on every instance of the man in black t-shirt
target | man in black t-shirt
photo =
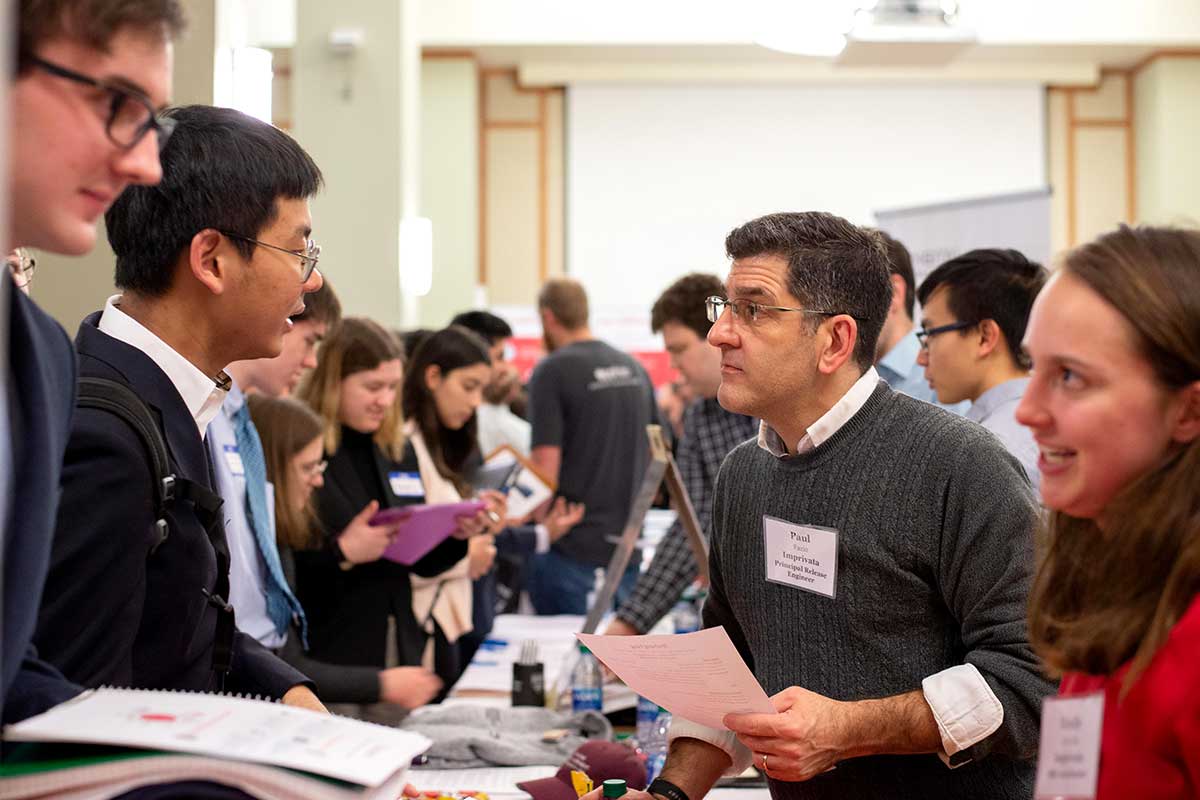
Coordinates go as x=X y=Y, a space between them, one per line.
x=589 y=405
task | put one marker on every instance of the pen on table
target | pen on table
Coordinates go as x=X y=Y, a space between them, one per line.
x=581 y=782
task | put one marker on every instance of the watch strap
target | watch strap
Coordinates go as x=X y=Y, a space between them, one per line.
x=666 y=789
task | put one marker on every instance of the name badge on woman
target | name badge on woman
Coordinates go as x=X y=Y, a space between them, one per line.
x=1069 y=750
x=803 y=556
x=406 y=484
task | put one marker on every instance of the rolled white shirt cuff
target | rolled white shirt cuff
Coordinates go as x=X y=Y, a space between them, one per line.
x=543 y=539
x=965 y=707
x=727 y=741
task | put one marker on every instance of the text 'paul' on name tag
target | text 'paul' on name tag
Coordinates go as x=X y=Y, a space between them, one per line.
x=1069 y=750
x=803 y=556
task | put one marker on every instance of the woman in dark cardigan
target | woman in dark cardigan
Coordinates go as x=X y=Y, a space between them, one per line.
x=292 y=440
x=359 y=606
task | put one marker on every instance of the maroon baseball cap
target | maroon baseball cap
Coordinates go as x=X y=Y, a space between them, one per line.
x=600 y=761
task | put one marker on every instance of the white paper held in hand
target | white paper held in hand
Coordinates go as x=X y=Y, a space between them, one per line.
x=698 y=676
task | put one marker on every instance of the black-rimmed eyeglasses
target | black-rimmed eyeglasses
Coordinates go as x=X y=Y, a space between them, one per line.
x=923 y=334
x=131 y=115
x=749 y=312
x=309 y=256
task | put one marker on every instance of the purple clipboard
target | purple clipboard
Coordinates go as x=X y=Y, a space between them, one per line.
x=424 y=528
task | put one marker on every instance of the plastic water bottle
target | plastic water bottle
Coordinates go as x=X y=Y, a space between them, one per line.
x=597 y=586
x=684 y=615
x=656 y=745
x=647 y=716
x=587 y=683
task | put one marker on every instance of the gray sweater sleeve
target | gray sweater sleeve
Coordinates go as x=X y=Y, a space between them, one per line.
x=985 y=569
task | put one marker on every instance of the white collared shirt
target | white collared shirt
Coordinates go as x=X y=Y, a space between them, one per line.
x=247 y=570
x=963 y=704
x=830 y=422
x=201 y=394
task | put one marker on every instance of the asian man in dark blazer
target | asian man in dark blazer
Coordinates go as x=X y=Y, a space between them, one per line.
x=210 y=264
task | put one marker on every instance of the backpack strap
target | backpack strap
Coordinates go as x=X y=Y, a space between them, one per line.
x=121 y=401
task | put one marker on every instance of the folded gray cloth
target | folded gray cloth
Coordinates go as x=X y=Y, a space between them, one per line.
x=466 y=736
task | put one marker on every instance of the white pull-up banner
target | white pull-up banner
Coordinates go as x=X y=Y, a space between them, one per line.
x=938 y=232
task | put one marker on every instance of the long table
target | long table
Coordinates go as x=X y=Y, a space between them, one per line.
x=488 y=681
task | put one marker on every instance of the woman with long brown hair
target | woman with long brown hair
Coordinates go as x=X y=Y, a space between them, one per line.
x=1114 y=405
x=359 y=605
x=292 y=439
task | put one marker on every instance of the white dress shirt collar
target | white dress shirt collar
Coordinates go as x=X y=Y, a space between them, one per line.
x=830 y=422
x=201 y=394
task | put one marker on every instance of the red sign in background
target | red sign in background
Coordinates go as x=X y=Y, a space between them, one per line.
x=528 y=350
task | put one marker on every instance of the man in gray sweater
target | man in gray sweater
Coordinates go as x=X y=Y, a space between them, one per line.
x=871 y=553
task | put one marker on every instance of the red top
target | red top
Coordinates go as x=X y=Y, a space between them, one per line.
x=1150 y=745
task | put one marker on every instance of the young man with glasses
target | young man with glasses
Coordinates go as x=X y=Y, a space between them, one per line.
x=870 y=553
x=258 y=589
x=260 y=577
x=89 y=76
x=897 y=349
x=975 y=308
x=125 y=604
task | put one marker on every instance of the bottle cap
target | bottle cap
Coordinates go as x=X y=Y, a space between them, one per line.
x=583 y=648
x=614 y=788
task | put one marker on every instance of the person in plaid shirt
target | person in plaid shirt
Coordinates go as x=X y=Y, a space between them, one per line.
x=709 y=433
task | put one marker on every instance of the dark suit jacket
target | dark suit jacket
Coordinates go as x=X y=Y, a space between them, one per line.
x=348 y=610
x=112 y=613
x=41 y=387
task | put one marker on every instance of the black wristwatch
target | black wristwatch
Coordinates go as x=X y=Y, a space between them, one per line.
x=666 y=789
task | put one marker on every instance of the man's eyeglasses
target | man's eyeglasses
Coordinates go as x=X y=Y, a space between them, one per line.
x=309 y=256
x=21 y=265
x=749 y=312
x=131 y=115
x=923 y=334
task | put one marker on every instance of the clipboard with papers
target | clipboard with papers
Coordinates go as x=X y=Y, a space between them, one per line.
x=527 y=488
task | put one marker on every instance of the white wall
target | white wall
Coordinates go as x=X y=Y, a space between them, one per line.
x=450 y=184
x=657 y=176
x=1168 y=127
x=347 y=116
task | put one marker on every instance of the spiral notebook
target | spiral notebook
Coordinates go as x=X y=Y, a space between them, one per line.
x=210 y=737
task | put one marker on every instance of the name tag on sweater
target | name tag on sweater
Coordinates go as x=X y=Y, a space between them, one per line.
x=803 y=556
x=1069 y=750
x=406 y=484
